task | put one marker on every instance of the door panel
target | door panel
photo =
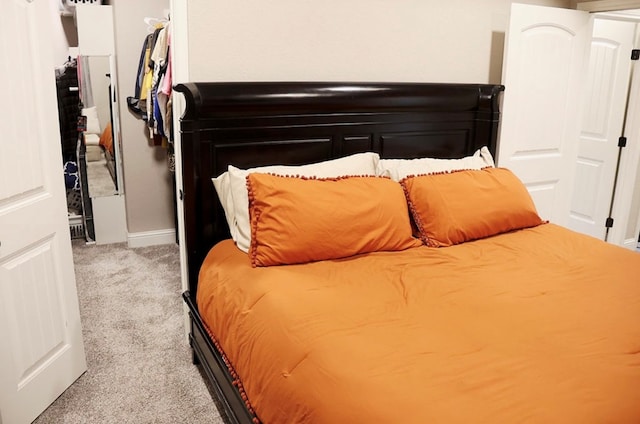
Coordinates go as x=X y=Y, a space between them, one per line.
x=605 y=100
x=42 y=351
x=545 y=55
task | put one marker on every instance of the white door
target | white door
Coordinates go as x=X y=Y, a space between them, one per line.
x=602 y=124
x=544 y=68
x=41 y=350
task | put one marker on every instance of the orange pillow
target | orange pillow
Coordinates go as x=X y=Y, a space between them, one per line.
x=106 y=140
x=455 y=207
x=299 y=220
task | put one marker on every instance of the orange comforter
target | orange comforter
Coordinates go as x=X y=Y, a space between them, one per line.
x=536 y=326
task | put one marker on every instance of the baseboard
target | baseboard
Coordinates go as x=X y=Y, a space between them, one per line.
x=151 y=238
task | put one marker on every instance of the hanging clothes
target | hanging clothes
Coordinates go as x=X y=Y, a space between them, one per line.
x=136 y=103
x=151 y=101
x=152 y=97
x=68 y=108
x=159 y=59
x=164 y=94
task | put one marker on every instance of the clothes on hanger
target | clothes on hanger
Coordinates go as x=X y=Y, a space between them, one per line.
x=68 y=107
x=152 y=97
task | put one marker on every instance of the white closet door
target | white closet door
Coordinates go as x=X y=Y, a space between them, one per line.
x=41 y=350
x=605 y=100
x=543 y=72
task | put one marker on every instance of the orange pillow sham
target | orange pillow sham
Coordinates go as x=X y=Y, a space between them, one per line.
x=300 y=220
x=452 y=208
x=106 y=139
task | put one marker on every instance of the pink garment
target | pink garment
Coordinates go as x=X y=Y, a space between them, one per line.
x=167 y=80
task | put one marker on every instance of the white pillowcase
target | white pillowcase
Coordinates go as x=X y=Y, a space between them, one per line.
x=398 y=169
x=93 y=123
x=223 y=188
x=231 y=186
x=91 y=139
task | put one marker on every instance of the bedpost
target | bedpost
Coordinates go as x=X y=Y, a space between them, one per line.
x=190 y=172
x=489 y=115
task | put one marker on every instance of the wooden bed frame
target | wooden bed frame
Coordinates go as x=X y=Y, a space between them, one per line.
x=253 y=123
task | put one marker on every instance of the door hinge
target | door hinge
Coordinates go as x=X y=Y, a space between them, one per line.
x=622 y=142
x=609 y=222
x=635 y=54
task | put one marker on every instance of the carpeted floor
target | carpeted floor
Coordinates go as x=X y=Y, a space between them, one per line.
x=139 y=363
x=99 y=178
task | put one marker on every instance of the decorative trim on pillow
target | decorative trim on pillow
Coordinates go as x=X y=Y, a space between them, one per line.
x=305 y=219
x=454 y=207
x=356 y=164
x=398 y=169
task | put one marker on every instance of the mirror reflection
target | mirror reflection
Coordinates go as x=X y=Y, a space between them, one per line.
x=100 y=149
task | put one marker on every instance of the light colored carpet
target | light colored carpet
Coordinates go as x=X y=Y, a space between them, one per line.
x=99 y=178
x=139 y=362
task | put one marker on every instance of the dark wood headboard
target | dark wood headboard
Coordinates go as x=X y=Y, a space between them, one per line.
x=248 y=124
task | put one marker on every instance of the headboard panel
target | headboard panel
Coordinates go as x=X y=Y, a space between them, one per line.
x=253 y=123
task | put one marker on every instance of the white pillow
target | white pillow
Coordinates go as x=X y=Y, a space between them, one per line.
x=93 y=123
x=91 y=139
x=231 y=186
x=223 y=188
x=399 y=169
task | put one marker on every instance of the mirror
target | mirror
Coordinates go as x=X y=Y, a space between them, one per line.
x=104 y=204
x=102 y=153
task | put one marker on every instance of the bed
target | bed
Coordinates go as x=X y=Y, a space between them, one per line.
x=518 y=320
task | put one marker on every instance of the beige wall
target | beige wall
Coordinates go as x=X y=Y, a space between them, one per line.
x=99 y=67
x=358 y=40
x=63 y=34
x=365 y=40
x=148 y=183
x=384 y=40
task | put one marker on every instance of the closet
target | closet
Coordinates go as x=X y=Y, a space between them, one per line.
x=568 y=104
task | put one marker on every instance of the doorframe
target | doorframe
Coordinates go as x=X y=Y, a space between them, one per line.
x=179 y=10
x=636 y=240
x=608 y=5
x=629 y=162
x=625 y=189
